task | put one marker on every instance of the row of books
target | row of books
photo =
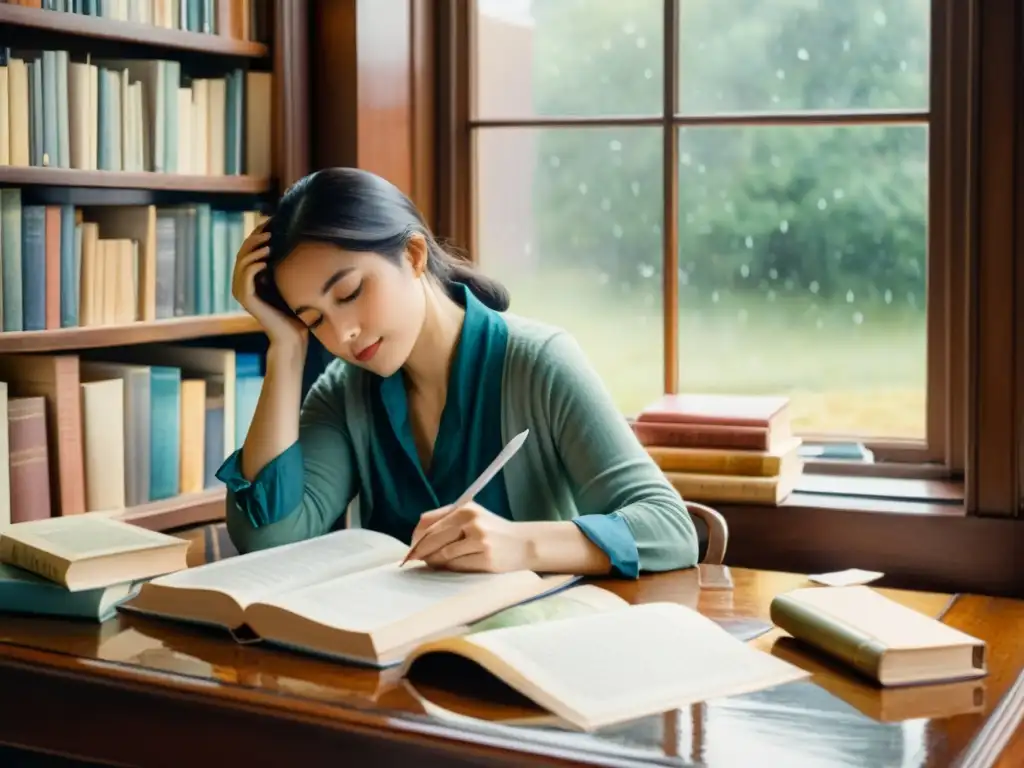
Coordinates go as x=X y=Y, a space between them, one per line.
x=723 y=448
x=68 y=267
x=132 y=115
x=239 y=19
x=116 y=428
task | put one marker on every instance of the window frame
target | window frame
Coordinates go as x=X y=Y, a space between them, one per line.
x=943 y=450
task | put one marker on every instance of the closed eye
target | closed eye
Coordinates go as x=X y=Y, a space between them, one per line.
x=352 y=296
x=338 y=300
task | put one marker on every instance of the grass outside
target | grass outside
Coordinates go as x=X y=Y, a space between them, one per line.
x=848 y=370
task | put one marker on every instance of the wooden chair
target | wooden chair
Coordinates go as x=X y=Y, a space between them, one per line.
x=718 y=531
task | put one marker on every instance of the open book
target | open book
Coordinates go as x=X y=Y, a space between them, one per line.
x=593 y=660
x=343 y=595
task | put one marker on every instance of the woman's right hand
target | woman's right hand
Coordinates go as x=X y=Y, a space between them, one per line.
x=281 y=329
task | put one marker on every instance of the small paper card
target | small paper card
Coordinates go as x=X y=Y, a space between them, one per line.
x=845 y=578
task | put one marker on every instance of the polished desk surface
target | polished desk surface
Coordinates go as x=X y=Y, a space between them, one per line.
x=831 y=719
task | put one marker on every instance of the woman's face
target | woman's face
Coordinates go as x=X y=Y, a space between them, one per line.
x=363 y=307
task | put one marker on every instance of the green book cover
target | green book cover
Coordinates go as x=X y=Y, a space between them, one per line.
x=24 y=592
x=581 y=600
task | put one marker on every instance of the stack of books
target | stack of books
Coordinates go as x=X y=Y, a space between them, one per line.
x=723 y=448
x=81 y=567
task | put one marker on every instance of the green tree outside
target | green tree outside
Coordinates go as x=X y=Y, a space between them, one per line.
x=809 y=241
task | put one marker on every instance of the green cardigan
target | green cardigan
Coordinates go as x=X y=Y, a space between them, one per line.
x=581 y=457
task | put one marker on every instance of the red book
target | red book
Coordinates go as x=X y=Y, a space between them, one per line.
x=765 y=412
x=29 y=457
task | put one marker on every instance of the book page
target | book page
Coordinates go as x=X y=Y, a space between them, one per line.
x=609 y=666
x=372 y=600
x=86 y=536
x=265 y=573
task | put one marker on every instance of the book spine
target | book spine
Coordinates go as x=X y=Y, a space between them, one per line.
x=50 y=132
x=28 y=453
x=63 y=118
x=33 y=267
x=218 y=260
x=10 y=246
x=829 y=635
x=35 y=125
x=52 y=257
x=701 y=436
x=689 y=419
x=213 y=441
x=69 y=483
x=19 y=111
x=203 y=260
x=104 y=150
x=166 y=280
x=33 y=559
x=5 y=120
x=68 y=269
x=725 y=489
x=713 y=462
x=165 y=416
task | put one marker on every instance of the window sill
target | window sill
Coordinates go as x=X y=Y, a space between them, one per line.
x=915 y=532
x=874 y=492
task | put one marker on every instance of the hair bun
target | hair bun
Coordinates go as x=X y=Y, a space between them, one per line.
x=490 y=293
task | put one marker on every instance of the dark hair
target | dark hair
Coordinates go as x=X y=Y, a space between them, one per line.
x=360 y=211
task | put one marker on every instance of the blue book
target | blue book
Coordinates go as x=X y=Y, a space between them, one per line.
x=62 y=118
x=203 y=255
x=171 y=83
x=235 y=118
x=10 y=257
x=213 y=435
x=230 y=123
x=69 y=244
x=236 y=237
x=104 y=106
x=33 y=267
x=164 y=432
x=220 y=279
x=35 y=86
x=24 y=592
x=51 y=138
x=248 y=383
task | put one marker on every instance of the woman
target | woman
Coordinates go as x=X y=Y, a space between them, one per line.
x=432 y=380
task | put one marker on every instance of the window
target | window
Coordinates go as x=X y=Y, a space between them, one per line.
x=723 y=196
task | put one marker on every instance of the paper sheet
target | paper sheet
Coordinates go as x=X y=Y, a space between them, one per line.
x=845 y=578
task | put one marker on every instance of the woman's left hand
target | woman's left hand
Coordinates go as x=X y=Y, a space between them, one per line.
x=470 y=538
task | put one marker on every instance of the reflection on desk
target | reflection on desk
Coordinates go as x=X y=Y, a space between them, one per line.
x=258 y=695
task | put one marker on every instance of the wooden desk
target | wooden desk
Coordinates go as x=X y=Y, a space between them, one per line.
x=138 y=691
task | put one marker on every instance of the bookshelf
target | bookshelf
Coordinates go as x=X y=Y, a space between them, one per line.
x=244 y=43
x=140 y=332
x=83 y=26
x=178 y=512
x=29 y=176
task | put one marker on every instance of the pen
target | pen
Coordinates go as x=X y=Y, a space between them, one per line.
x=478 y=485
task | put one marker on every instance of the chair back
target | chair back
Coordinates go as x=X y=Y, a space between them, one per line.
x=718 y=531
